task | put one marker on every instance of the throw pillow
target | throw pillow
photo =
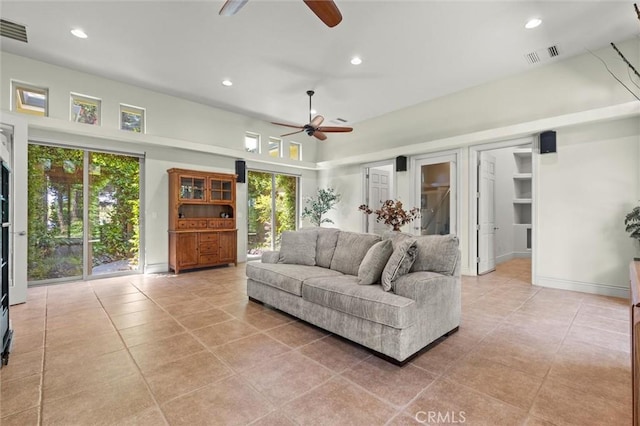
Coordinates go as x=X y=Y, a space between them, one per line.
x=374 y=262
x=399 y=263
x=298 y=248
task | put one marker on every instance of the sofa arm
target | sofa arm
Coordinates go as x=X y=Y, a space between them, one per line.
x=270 y=256
x=422 y=285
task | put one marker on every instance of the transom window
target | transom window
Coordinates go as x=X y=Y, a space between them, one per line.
x=30 y=99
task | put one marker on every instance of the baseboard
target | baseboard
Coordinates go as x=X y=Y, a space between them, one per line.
x=156 y=268
x=504 y=258
x=522 y=254
x=584 y=287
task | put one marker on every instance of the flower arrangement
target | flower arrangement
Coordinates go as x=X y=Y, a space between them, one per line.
x=391 y=213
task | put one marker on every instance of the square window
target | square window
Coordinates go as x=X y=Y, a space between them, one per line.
x=29 y=99
x=132 y=118
x=275 y=147
x=295 y=151
x=252 y=142
x=85 y=109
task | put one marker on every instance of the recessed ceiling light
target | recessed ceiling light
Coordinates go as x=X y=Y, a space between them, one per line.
x=79 y=33
x=227 y=83
x=533 y=23
x=356 y=60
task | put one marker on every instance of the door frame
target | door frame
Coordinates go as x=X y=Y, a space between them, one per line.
x=453 y=155
x=474 y=155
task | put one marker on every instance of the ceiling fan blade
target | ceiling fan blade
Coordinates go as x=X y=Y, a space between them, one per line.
x=319 y=135
x=335 y=129
x=288 y=125
x=292 y=133
x=326 y=10
x=317 y=120
x=231 y=7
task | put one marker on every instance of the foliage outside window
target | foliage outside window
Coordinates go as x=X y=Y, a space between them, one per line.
x=132 y=118
x=252 y=142
x=29 y=99
x=266 y=190
x=295 y=151
x=275 y=147
x=56 y=228
x=85 y=109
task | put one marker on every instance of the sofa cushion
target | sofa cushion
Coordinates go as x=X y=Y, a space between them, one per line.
x=351 y=248
x=436 y=253
x=404 y=254
x=326 y=244
x=286 y=277
x=374 y=262
x=368 y=302
x=298 y=248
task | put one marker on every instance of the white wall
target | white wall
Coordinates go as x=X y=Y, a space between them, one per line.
x=585 y=190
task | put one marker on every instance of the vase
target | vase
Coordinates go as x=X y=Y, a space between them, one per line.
x=396 y=228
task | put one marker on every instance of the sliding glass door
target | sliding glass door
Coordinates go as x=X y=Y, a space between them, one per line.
x=83 y=212
x=272 y=209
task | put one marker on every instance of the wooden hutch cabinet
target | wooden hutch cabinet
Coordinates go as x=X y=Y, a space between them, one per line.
x=202 y=219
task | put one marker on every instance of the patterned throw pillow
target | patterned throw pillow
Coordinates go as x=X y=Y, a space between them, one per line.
x=399 y=263
x=374 y=262
x=298 y=248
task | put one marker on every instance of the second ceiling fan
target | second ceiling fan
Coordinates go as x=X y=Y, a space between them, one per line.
x=313 y=128
x=326 y=10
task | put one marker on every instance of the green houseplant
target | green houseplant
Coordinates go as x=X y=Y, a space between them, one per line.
x=632 y=223
x=319 y=205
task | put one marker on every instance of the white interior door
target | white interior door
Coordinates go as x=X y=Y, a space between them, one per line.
x=436 y=188
x=486 y=213
x=378 y=194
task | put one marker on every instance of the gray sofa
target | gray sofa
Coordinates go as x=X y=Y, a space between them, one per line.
x=317 y=277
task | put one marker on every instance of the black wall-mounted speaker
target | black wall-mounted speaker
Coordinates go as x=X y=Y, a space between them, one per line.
x=401 y=163
x=241 y=171
x=547 y=142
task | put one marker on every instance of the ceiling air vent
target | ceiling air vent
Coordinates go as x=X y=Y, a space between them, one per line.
x=553 y=51
x=532 y=57
x=12 y=30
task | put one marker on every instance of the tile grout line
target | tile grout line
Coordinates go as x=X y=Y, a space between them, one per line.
x=44 y=357
x=153 y=397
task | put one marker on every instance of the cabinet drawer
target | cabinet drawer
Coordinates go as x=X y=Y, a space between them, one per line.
x=214 y=223
x=229 y=224
x=209 y=247
x=209 y=236
x=202 y=223
x=182 y=224
x=208 y=259
x=192 y=223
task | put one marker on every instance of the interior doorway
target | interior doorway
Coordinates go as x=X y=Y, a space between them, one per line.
x=502 y=205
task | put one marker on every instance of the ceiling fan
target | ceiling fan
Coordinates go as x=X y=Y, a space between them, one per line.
x=326 y=10
x=314 y=128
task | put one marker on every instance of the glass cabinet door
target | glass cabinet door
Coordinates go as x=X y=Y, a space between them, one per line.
x=221 y=190
x=191 y=188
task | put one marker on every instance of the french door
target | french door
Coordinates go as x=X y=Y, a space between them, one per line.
x=83 y=211
x=272 y=209
x=436 y=180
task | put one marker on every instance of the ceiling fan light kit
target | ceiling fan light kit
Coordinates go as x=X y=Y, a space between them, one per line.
x=313 y=128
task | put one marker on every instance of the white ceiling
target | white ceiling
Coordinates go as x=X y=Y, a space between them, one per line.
x=274 y=51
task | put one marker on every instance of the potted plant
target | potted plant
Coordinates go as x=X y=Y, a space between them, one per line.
x=392 y=213
x=318 y=206
x=632 y=223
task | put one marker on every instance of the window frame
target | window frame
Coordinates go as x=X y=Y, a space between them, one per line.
x=256 y=137
x=17 y=100
x=89 y=100
x=278 y=145
x=298 y=145
x=132 y=109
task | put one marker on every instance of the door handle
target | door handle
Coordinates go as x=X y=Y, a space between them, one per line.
x=495 y=228
x=21 y=233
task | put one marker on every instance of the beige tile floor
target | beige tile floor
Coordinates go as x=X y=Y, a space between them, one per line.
x=190 y=349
